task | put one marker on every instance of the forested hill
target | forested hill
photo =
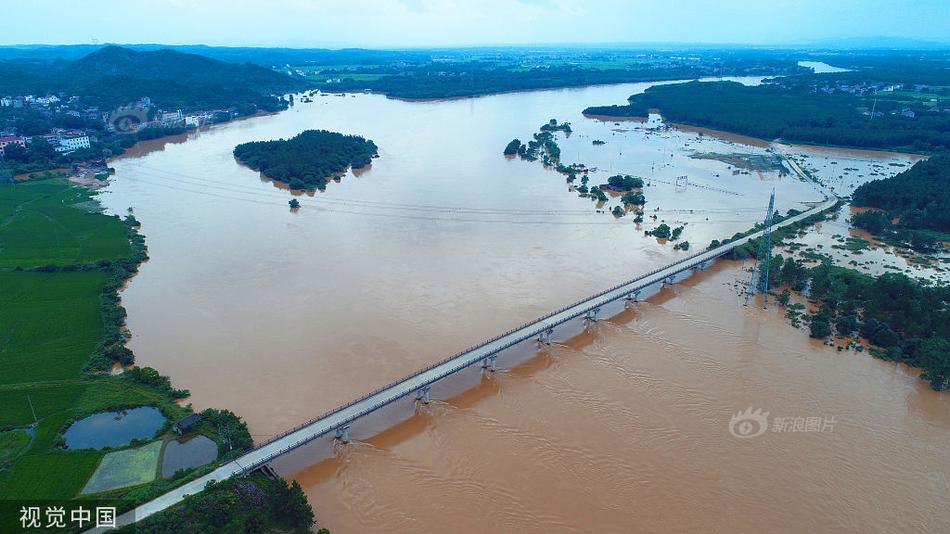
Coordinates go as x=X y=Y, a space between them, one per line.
x=113 y=76
x=795 y=113
x=309 y=159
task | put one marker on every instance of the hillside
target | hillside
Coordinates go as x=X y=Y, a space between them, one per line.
x=113 y=76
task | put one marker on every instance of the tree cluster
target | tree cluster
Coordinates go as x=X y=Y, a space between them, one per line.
x=309 y=159
x=918 y=198
x=254 y=505
x=908 y=320
x=625 y=182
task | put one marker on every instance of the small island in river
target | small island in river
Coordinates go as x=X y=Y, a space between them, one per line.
x=308 y=160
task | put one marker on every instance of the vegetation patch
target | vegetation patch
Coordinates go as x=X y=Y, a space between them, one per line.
x=12 y=444
x=309 y=159
x=791 y=109
x=750 y=162
x=912 y=209
x=46 y=223
x=129 y=467
x=247 y=504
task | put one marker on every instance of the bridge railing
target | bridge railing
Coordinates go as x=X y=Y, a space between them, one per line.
x=476 y=346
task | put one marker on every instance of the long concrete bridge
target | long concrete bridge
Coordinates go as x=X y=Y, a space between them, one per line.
x=338 y=420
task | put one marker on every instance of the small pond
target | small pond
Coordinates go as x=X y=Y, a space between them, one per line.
x=187 y=453
x=114 y=429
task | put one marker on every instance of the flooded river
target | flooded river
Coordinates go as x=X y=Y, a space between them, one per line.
x=444 y=242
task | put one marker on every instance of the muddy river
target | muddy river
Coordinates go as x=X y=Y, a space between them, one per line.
x=281 y=315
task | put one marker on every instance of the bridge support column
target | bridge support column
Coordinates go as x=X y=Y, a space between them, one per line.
x=545 y=337
x=591 y=316
x=423 y=394
x=490 y=363
x=632 y=297
x=343 y=434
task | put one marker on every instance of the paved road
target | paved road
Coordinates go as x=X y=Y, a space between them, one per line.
x=335 y=419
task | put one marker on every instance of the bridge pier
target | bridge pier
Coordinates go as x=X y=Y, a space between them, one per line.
x=591 y=316
x=343 y=433
x=423 y=394
x=490 y=363
x=632 y=297
x=545 y=337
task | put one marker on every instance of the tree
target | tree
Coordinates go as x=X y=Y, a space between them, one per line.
x=934 y=357
x=784 y=297
x=618 y=211
x=294 y=204
x=513 y=147
x=662 y=231
x=846 y=324
x=676 y=233
x=820 y=327
x=637 y=198
x=15 y=153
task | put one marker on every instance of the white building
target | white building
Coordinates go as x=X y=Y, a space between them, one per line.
x=171 y=117
x=6 y=101
x=72 y=143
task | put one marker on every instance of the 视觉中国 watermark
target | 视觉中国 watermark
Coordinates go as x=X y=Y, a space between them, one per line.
x=751 y=423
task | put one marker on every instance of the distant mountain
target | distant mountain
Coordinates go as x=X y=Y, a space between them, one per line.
x=231 y=54
x=112 y=76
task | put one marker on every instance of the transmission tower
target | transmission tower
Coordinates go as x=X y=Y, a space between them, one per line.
x=762 y=259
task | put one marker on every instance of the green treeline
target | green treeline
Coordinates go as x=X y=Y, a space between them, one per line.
x=793 y=113
x=918 y=199
x=309 y=159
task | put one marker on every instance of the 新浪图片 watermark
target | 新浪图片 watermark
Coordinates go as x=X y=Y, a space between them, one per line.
x=751 y=423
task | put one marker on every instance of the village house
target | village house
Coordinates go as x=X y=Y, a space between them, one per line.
x=186 y=424
x=5 y=141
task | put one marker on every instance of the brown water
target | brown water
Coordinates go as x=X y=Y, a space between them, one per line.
x=444 y=242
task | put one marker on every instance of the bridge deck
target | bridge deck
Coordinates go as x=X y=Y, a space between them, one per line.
x=371 y=402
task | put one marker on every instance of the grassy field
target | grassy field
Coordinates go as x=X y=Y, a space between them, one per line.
x=12 y=443
x=121 y=469
x=47 y=222
x=51 y=318
x=50 y=325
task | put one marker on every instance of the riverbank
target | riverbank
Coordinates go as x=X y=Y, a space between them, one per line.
x=60 y=296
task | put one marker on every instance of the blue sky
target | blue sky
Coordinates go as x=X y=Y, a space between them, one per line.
x=410 y=23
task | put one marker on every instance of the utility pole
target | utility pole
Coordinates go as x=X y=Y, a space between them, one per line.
x=29 y=400
x=763 y=259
